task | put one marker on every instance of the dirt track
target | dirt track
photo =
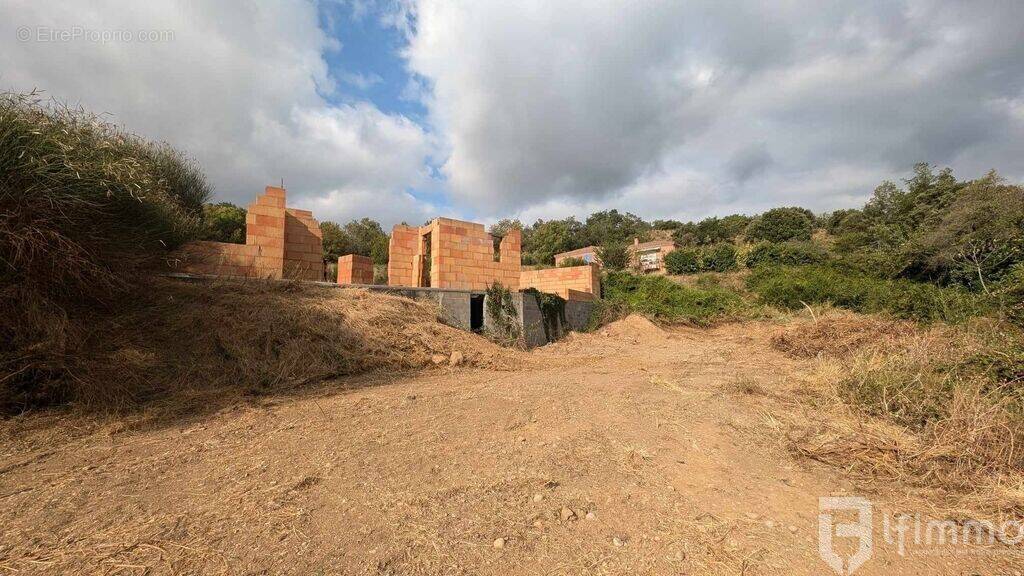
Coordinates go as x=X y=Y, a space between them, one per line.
x=659 y=444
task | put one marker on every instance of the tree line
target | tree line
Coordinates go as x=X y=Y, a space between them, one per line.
x=931 y=227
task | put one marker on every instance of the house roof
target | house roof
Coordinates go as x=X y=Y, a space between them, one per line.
x=577 y=252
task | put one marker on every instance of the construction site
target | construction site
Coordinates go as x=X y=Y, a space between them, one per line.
x=277 y=423
x=448 y=262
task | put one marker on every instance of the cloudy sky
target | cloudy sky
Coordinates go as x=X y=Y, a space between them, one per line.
x=405 y=110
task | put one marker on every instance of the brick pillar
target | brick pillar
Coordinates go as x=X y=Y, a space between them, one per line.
x=355 y=269
x=264 y=227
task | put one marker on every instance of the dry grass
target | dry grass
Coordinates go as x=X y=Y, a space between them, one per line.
x=927 y=408
x=178 y=344
x=837 y=334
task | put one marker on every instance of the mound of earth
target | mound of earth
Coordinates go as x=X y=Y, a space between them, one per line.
x=207 y=338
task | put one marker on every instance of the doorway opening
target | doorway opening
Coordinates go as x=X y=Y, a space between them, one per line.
x=476 y=312
x=425 y=261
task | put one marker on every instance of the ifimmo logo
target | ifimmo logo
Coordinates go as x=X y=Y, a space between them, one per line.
x=829 y=529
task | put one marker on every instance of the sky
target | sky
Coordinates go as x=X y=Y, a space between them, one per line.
x=404 y=110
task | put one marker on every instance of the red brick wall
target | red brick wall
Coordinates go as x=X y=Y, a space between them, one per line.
x=461 y=256
x=355 y=269
x=303 y=246
x=279 y=243
x=402 y=250
x=564 y=281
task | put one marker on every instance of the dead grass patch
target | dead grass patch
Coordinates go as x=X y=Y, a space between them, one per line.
x=178 y=343
x=932 y=409
x=747 y=386
x=836 y=333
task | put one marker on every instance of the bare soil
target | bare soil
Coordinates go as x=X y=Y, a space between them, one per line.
x=635 y=450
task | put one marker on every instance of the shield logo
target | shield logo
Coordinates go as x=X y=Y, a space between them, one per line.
x=828 y=529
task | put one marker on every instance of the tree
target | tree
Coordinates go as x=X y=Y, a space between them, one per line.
x=380 y=250
x=547 y=238
x=571 y=261
x=782 y=224
x=613 y=227
x=363 y=234
x=666 y=224
x=685 y=235
x=335 y=242
x=224 y=222
x=979 y=237
x=734 y=225
x=614 y=255
x=710 y=231
x=834 y=220
x=504 y=226
x=719 y=258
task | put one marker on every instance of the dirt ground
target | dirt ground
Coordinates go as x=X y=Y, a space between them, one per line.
x=630 y=451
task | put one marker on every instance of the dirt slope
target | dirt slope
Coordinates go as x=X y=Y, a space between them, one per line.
x=631 y=451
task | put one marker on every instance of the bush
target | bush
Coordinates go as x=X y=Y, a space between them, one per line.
x=84 y=207
x=572 y=261
x=663 y=299
x=785 y=254
x=719 y=258
x=782 y=224
x=84 y=204
x=683 y=261
x=792 y=287
x=224 y=222
x=1010 y=291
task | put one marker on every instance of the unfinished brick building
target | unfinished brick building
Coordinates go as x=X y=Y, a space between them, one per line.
x=453 y=254
x=571 y=282
x=280 y=242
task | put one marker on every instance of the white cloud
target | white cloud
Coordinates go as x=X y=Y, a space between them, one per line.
x=688 y=108
x=243 y=90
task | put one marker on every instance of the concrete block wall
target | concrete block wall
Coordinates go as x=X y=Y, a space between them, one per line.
x=564 y=281
x=355 y=269
x=280 y=243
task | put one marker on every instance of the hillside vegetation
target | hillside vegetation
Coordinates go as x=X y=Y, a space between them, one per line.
x=84 y=208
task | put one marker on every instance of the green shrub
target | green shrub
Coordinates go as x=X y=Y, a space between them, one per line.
x=683 y=261
x=1010 y=292
x=224 y=222
x=572 y=261
x=719 y=258
x=782 y=224
x=785 y=254
x=663 y=299
x=794 y=286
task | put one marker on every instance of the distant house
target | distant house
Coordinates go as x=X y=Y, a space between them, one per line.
x=587 y=254
x=650 y=256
